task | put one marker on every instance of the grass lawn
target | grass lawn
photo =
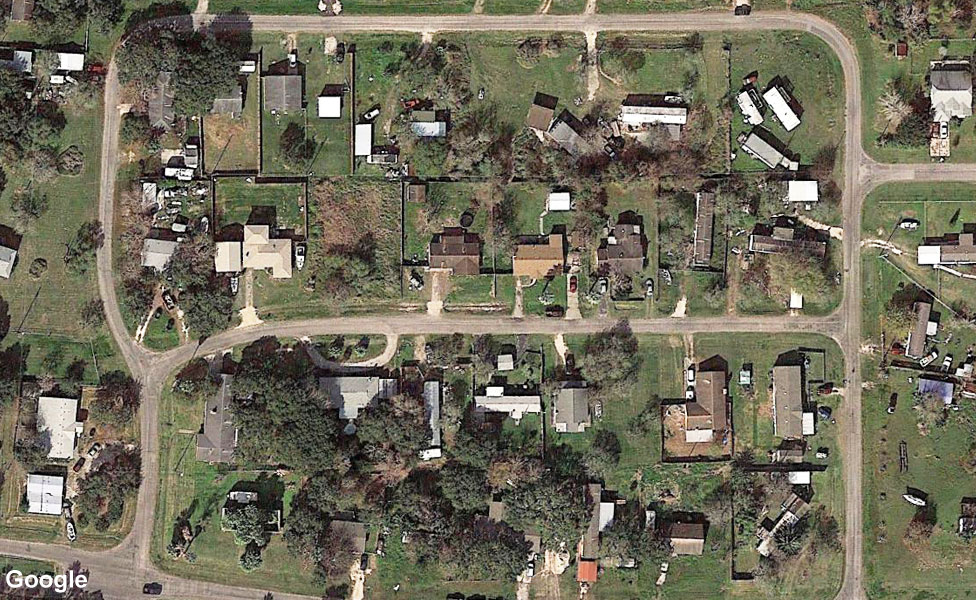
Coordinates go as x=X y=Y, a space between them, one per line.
x=511 y=7
x=158 y=337
x=25 y=565
x=352 y=7
x=818 y=85
x=642 y=6
x=446 y=202
x=566 y=7
x=232 y=144
x=236 y=197
x=198 y=490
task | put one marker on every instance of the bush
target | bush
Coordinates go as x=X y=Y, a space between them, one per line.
x=71 y=161
x=294 y=146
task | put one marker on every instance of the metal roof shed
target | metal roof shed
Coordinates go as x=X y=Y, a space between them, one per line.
x=364 y=139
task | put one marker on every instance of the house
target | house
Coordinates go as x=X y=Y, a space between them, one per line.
x=8 y=257
x=162 y=115
x=784 y=106
x=922 y=328
x=952 y=89
x=571 y=408
x=624 y=249
x=45 y=494
x=788 y=401
x=967 y=517
x=191 y=154
x=21 y=61
x=704 y=228
x=542 y=258
x=950 y=249
x=796 y=300
x=764 y=147
x=157 y=252
x=237 y=499
x=353 y=393
x=515 y=402
x=456 y=249
x=687 y=539
x=329 y=102
x=789 y=451
x=417 y=191
x=425 y=124
x=432 y=411
x=751 y=105
x=566 y=132
x=638 y=112
x=505 y=362
x=218 y=439
x=558 y=202
x=793 y=508
x=228 y=257
x=263 y=252
x=363 y=139
x=71 y=62
x=352 y=533
x=586 y=570
x=783 y=237
x=230 y=104
x=943 y=390
x=282 y=93
x=706 y=415
x=806 y=191
x=541 y=112
x=21 y=10
x=57 y=421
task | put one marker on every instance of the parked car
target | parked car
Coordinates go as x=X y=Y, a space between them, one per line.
x=947 y=363
x=94 y=450
x=927 y=360
x=168 y=300
x=909 y=224
x=572 y=284
x=371 y=114
x=79 y=465
x=235 y=284
x=892 y=403
x=158 y=313
x=603 y=285
x=649 y=287
x=554 y=310
x=943 y=130
x=610 y=151
x=690 y=374
x=340 y=52
x=481 y=94
x=300 y=256
x=823 y=453
x=824 y=412
x=69 y=531
x=152 y=589
x=363 y=561
x=409 y=104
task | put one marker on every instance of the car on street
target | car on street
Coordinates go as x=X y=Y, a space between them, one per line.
x=152 y=589
x=572 y=284
x=554 y=310
x=824 y=412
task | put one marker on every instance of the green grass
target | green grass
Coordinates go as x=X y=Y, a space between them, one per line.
x=25 y=565
x=236 y=197
x=511 y=7
x=642 y=6
x=566 y=7
x=158 y=337
x=352 y=7
x=232 y=144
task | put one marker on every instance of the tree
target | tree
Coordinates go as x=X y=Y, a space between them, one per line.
x=790 y=538
x=71 y=161
x=205 y=302
x=251 y=558
x=627 y=537
x=15 y=112
x=294 y=145
x=394 y=431
x=92 y=314
x=483 y=550
x=463 y=486
x=611 y=359
x=118 y=398
x=28 y=206
x=11 y=364
x=798 y=272
x=911 y=133
x=892 y=106
x=81 y=251
x=4 y=318
x=106 y=14
x=603 y=453
x=109 y=484
x=444 y=351
x=206 y=310
x=557 y=507
x=58 y=19
x=248 y=524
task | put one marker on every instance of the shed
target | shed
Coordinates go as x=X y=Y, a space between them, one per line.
x=330 y=107
x=45 y=494
x=558 y=201
x=943 y=390
x=364 y=139
x=8 y=257
x=71 y=61
x=803 y=191
x=799 y=477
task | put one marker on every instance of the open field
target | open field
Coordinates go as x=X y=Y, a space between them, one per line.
x=236 y=197
x=353 y=7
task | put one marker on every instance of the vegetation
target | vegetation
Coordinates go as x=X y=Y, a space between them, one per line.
x=104 y=491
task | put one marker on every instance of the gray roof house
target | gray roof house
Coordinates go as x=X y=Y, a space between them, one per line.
x=156 y=253
x=8 y=256
x=216 y=443
x=952 y=89
x=353 y=393
x=231 y=103
x=565 y=132
x=432 y=410
x=764 y=147
x=788 y=401
x=161 y=111
x=282 y=93
x=571 y=409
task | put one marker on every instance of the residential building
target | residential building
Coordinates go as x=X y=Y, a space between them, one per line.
x=706 y=415
x=45 y=494
x=512 y=401
x=456 y=249
x=157 y=252
x=790 y=451
x=162 y=115
x=58 y=424
x=566 y=131
x=950 y=249
x=230 y=104
x=8 y=257
x=784 y=236
x=625 y=248
x=687 y=539
x=784 y=106
x=228 y=257
x=967 y=517
x=352 y=533
x=363 y=143
x=805 y=191
x=952 y=89
x=432 y=411
x=788 y=401
x=922 y=328
x=71 y=62
x=425 y=124
x=21 y=10
x=263 y=252
x=217 y=441
x=571 y=408
x=704 y=228
x=541 y=112
x=751 y=105
x=283 y=93
x=543 y=258
x=238 y=499
x=638 y=111
x=793 y=508
x=350 y=394
x=943 y=390
x=764 y=147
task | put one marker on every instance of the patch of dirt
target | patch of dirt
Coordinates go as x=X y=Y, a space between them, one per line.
x=681 y=309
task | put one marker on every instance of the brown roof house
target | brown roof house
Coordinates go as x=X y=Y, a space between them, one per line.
x=788 y=401
x=686 y=538
x=217 y=441
x=541 y=112
x=21 y=10
x=707 y=415
x=785 y=236
x=456 y=249
x=625 y=248
x=704 y=226
x=923 y=327
x=543 y=258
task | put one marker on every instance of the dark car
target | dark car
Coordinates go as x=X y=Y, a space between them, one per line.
x=341 y=52
x=554 y=310
x=572 y=284
x=892 y=403
x=78 y=465
x=153 y=589
x=364 y=561
x=824 y=412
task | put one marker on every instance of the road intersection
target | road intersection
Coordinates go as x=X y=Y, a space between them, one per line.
x=120 y=572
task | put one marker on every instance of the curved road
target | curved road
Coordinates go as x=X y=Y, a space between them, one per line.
x=119 y=572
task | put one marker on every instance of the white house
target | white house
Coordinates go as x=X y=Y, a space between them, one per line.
x=57 y=418
x=330 y=107
x=71 y=61
x=803 y=191
x=749 y=102
x=45 y=494
x=364 y=139
x=782 y=102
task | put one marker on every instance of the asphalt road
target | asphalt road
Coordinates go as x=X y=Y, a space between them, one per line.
x=120 y=572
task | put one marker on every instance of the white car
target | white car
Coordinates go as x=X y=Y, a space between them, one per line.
x=691 y=375
x=372 y=114
x=927 y=360
x=69 y=529
x=909 y=224
x=947 y=362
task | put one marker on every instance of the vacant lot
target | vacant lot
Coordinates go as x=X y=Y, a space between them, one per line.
x=239 y=199
x=353 y=7
x=233 y=144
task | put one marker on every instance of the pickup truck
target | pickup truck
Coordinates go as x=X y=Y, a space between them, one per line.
x=927 y=360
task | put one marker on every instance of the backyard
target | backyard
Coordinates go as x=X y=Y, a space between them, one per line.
x=242 y=200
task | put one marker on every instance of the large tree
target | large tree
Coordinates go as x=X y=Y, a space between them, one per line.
x=248 y=524
x=463 y=486
x=611 y=359
x=118 y=398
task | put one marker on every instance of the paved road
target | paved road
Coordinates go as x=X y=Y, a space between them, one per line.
x=113 y=571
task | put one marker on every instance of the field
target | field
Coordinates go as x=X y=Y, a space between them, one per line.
x=233 y=144
x=237 y=197
x=353 y=7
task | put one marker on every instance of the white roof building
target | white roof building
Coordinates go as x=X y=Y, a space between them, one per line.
x=432 y=410
x=364 y=139
x=803 y=191
x=496 y=400
x=8 y=256
x=45 y=494
x=330 y=107
x=606 y=514
x=429 y=128
x=353 y=393
x=952 y=90
x=57 y=418
x=156 y=253
x=747 y=105
x=558 y=201
x=71 y=61
x=506 y=362
x=228 y=257
x=799 y=477
x=808 y=423
x=779 y=99
x=796 y=300
x=637 y=114
x=21 y=61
